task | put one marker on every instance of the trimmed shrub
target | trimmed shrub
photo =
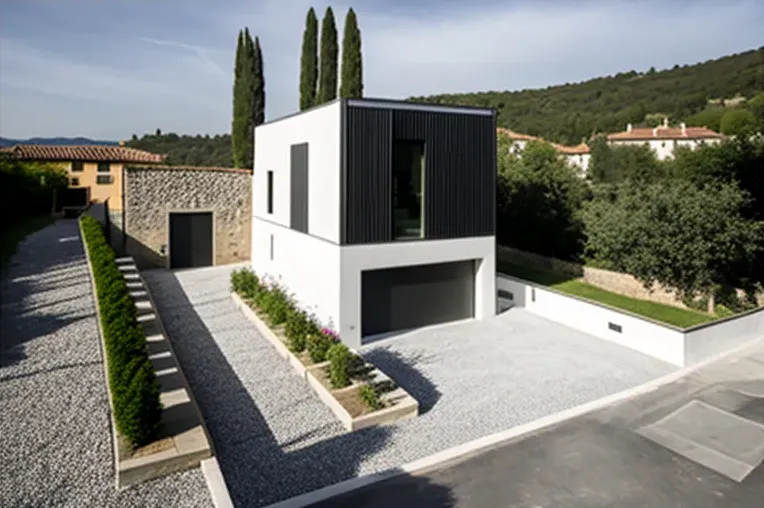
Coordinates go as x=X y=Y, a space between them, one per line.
x=245 y=283
x=339 y=365
x=299 y=325
x=132 y=381
x=318 y=345
x=370 y=397
x=276 y=304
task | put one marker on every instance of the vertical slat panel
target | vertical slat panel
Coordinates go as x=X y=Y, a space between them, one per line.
x=368 y=175
x=460 y=172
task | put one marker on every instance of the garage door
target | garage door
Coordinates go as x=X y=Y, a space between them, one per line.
x=190 y=239
x=415 y=296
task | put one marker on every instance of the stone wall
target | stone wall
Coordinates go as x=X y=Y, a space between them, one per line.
x=152 y=192
x=617 y=282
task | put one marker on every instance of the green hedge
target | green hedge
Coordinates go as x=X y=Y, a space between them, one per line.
x=133 y=384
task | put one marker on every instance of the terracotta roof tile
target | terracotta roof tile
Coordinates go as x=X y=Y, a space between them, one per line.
x=583 y=148
x=93 y=153
x=190 y=168
x=645 y=133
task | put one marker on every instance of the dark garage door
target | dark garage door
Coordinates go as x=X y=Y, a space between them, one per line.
x=415 y=296
x=190 y=239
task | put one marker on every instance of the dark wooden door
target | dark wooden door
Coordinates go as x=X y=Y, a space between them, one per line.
x=190 y=239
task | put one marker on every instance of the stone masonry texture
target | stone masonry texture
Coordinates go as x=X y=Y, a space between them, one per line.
x=151 y=193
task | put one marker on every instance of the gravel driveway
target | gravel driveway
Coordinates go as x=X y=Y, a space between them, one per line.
x=275 y=439
x=55 y=440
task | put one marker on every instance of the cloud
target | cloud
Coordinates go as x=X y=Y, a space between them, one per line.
x=408 y=48
x=200 y=52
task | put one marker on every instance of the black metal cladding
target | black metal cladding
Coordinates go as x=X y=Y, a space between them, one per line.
x=460 y=172
x=368 y=176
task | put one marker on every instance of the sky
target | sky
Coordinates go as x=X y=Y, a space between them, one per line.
x=107 y=69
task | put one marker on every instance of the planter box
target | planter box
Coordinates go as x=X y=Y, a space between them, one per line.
x=182 y=442
x=400 y=405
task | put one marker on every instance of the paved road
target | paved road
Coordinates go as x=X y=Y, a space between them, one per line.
x=694 y=443
x=275 y=439
x=55 y=438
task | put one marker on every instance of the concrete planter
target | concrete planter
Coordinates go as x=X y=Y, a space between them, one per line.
x=400 y=405
x=183 y=441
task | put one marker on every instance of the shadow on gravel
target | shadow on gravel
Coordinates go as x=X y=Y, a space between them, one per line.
x=27 y=276
x=257 y=469
x=401 y=491
x=402 y=368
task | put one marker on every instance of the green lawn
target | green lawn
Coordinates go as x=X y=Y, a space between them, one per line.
x=14 y=235
x=682 y=318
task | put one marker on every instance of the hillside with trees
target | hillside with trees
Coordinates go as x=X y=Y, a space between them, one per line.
x=699 y=94
x=187 y=150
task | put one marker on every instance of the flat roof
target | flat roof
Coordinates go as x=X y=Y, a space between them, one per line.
x=379 y=103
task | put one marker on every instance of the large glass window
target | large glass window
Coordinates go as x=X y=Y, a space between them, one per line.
x=408 y=189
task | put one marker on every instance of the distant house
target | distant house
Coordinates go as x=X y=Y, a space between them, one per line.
x=577 y=156
x=664 y=139
x=98 y=168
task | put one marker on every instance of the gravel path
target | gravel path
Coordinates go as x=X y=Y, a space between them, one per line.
x=275 y=439
x=55 y=440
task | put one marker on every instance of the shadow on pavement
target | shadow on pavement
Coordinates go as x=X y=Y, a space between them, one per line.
x=402 y=368
x=258 y=470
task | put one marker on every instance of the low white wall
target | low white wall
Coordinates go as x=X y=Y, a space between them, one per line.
x=711 y=339
x=641 y=335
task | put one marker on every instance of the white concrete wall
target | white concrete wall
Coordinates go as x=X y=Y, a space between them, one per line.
x=307 y=266
x=641 y=335
x=320 y=128
x=356 y=258
x=709 y=340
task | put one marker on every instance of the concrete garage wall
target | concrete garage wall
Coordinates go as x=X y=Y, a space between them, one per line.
x=673 y=345
x=152 y=192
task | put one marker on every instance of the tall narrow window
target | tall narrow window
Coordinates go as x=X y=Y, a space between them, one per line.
x=270 y=191
x=408 y=189
x=271 y=247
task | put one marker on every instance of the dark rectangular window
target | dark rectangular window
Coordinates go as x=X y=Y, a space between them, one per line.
x=77 y=166
x=615 y=327
x=298 y=198
x=104 y=179
x=533 y=294
x=75 y=182
x=270 y=191
x=408 y=189
x=104 y=167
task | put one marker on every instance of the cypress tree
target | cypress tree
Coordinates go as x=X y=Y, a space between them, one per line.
x=246 y=124
x=327 y=77
x=309 y=62
x=238 y=122
x=258 y=98
x=352 y=66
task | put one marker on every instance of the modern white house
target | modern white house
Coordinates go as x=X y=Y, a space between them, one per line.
x=379 y=216
x=663 y=139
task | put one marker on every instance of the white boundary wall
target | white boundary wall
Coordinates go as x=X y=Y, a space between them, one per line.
x=670 y=344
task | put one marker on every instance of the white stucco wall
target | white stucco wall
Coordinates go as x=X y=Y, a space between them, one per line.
x=307 y=266
x=712 y=339
x=357 y=258
x=320 y=128
x=641 y=335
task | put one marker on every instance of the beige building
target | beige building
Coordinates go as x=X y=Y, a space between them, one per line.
x=577 y=156
x=96 y=167
x=663 y=140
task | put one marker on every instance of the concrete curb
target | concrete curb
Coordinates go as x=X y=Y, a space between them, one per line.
x=481 y=444
x=216 y=483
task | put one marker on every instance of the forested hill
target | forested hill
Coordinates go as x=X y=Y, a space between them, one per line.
x=568 y=113
x=187 y=150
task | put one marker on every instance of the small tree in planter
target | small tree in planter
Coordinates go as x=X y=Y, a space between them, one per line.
x=298 y=327
x=339 y=365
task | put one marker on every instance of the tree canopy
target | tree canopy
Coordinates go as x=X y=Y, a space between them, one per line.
x=327 y=77
x=689 y=237
x=352 y=66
